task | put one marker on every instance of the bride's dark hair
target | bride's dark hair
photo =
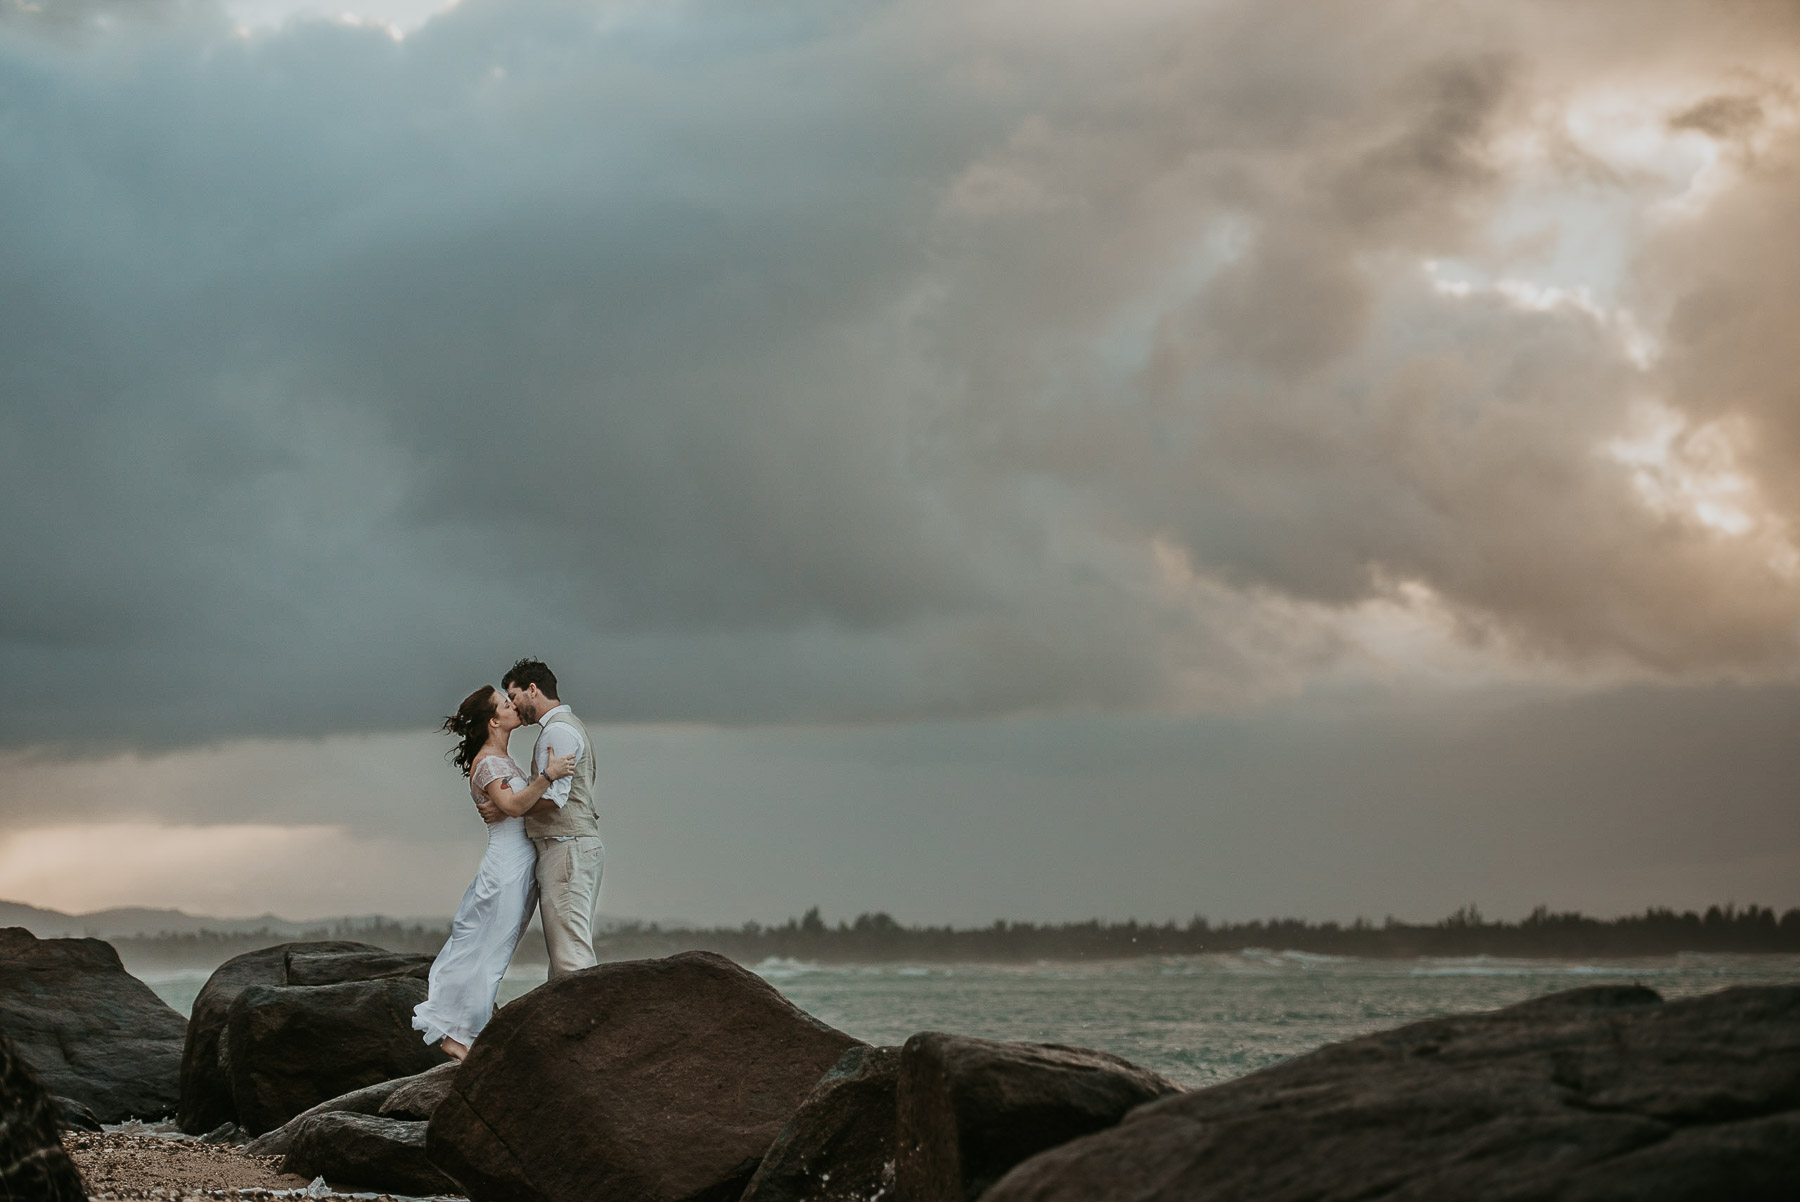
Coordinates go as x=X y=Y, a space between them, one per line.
x=470 y=724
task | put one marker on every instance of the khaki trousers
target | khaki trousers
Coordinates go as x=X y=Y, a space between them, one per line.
x=568 y=877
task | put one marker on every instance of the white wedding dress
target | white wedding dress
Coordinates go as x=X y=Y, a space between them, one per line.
x=499 y=903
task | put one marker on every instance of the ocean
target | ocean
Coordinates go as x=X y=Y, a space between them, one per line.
x=1198 y=1020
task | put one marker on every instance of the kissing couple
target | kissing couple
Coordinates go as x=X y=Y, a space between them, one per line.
x=543 y=851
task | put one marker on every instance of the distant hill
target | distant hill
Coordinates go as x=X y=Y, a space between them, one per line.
x=127 y=922
x=143 y=922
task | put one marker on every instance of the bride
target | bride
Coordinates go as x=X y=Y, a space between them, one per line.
x=494 y=912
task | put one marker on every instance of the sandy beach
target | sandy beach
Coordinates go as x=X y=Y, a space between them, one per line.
x=117 y=1165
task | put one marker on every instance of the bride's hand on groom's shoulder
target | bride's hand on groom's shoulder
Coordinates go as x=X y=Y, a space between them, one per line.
x=560 y=766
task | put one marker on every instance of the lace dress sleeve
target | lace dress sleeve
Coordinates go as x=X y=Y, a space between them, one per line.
x=489 y=770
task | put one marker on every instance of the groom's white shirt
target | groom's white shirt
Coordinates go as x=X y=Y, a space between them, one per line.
x=561 y=739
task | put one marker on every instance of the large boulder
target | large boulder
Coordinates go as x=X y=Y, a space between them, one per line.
x=970 y=1109
x=659 y=1080
x=839 y=1146
x=91 y=1031
x=365 y=1151
x=206 y=1100
x=1605 y=1093
x=33 y=1163
x=406 y=1098
x=289 y=1047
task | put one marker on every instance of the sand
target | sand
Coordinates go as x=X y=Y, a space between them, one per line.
x=117 y=1165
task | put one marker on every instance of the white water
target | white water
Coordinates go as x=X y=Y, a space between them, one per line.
x=1196 y=1019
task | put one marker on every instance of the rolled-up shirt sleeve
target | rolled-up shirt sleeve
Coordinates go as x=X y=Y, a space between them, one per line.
x=559 y=739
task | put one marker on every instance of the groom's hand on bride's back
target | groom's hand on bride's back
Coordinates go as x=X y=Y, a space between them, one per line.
x=490 y=813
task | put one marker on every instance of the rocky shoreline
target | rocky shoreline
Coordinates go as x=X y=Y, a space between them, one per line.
x=689 y=1079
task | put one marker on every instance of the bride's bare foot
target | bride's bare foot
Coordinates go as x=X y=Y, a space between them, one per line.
x=453 y=1049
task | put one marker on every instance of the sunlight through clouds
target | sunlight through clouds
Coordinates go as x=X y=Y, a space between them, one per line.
x=296 y=872
x=1682 y=471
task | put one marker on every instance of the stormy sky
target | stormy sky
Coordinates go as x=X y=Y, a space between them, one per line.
x=992 y=459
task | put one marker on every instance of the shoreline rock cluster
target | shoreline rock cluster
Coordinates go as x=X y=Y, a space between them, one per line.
x=276 y=1031
x=690 y=1079
x=1602 y=1093
x=374 y=1136
x=101 y=1041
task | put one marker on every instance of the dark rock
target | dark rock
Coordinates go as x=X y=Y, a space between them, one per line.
x=33 y=1163
x=73 y=1116
x=1584 y=1096
x=413 y=1097
x=419 y=1095
x=205 y=1089
x=224 y=1133
x=334 y=968
x=367 y=1100
x=970 y=1109
x=288 y=1048
x=90 y=1030
x=839 y=1146
x=365 y=1151
x=660 y=1080
x=206 y=1099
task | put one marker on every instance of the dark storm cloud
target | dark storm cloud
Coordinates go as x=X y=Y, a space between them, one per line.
x=841 y=364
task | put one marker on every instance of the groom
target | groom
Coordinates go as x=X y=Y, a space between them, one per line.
x=562 y=824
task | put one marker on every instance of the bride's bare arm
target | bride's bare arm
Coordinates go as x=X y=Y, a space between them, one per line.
x=514 y=802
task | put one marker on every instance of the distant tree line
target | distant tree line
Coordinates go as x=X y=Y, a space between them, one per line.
x=204 y=949
x=877 y=937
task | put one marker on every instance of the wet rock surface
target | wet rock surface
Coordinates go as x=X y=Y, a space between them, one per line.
x=413 y=1097
x=418 y=1096
x=367 y=1100
x=73 y=1116
x=365 y=1151
x=970 y=1109
x=90 y=1031
x=840 y=1144
x=660 y=1080
x=309 y=967
x=1589 y=1095
x=33 y=1161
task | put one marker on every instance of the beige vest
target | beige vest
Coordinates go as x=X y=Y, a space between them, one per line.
x=576 y=818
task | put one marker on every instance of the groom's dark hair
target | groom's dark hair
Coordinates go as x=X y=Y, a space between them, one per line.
x=528 y=672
